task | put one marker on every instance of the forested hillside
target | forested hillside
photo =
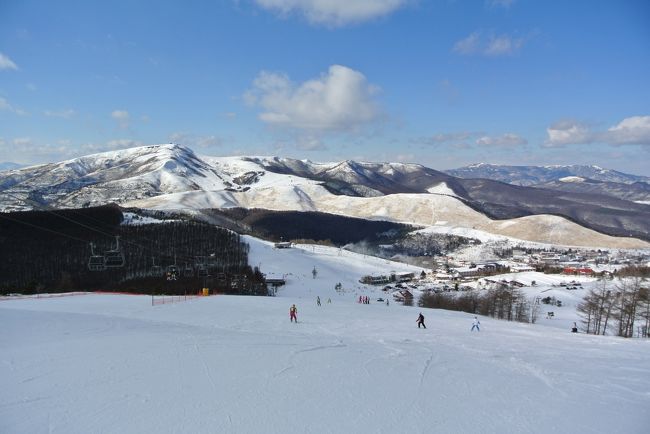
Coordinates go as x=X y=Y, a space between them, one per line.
x=49 y=251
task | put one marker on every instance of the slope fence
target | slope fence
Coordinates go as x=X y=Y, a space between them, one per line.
x=55 y=295
x=157 y=300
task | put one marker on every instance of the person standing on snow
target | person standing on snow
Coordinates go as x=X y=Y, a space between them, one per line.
x=293 y=313
x=574 y=329
x=476 y=324
x=317 y=300
x=420 y=321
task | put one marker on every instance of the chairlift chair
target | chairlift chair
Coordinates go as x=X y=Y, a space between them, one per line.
x=114 y=257
x=96 y=262
x=188 y=271
x=172 y=270
x=156 y=270
x=202 y=270
x=201 y=267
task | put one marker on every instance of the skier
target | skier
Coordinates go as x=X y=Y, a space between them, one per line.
x=329 y=300
x=574 y=329
x=293 y=313
x=476 y=325
x=420 y=321
x=359 y=299
x=387 y=303
x=317 y=300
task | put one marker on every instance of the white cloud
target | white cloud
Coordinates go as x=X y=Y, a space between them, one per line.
x=500 y=3
x=123 y=144
x=490 y=45
x=339 y=100
x=469 y=45
x=64 y=114
x=502 y=45
x=504 y=140
x=194 y=140
x=334 y=12
x=310 y=144
x=111 y=145
x=406 y=158
x=634 y=130
x=630 y=131
x=122 y=118
x=566 y=132
x=22 y=141
x=6 y=63
x=27 y=150
x=449 y=137
x=5 y=106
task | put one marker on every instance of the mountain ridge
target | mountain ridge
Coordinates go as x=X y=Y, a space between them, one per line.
x=171 y=175
x=534 y=175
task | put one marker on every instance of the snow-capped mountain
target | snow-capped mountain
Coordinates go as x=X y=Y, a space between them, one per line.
x=117 y=176
x=173 y=177
x=535 y=175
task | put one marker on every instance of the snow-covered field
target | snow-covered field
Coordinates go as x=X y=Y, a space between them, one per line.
x=115 y=364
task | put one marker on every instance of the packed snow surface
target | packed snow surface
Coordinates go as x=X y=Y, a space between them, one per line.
x=116 y=364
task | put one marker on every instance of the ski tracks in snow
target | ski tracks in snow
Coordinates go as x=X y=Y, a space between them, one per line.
x=291 y=362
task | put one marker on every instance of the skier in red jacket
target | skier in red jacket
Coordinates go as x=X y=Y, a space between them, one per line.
x=293 y=313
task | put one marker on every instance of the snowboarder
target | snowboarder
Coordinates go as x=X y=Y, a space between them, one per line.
x=420 y=321
x=574 y=329
x=317 y=300
x=293 y=313
x=476 y=325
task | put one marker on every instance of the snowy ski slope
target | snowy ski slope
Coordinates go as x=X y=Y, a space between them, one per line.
x=115 y=364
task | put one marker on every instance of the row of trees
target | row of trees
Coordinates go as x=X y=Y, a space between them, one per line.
x=503 y=303
x=421 y=244
x=617 y=307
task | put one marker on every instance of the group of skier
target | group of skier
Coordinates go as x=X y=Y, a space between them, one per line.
x=364 y=299
x=329 y=300
x=293 y=313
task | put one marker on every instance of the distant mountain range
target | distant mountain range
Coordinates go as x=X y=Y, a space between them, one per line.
x=573 y=178
x=174 y=177
x=536 y=175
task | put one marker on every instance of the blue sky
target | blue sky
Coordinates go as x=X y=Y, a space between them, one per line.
x=441 y=83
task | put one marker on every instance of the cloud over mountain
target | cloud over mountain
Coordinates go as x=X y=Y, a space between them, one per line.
x=339 y=100
x=634 y=130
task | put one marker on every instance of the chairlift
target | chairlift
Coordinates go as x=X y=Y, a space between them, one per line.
x=188 y=271
x=96 y=262
x=201 y=267
x=114 y=257
x=156 y=270
x=173 y=271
